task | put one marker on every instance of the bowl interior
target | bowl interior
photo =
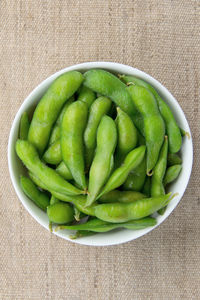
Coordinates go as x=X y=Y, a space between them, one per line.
x=117 y=236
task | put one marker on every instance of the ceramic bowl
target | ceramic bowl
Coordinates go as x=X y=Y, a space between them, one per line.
x=117 y=236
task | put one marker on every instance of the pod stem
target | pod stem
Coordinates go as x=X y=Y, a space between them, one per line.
x=130 y=83
x=120 y=76
x=50 y=227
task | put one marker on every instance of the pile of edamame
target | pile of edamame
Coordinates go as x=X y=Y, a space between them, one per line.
x=100 y=152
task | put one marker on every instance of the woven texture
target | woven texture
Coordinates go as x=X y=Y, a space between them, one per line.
x=39 y=37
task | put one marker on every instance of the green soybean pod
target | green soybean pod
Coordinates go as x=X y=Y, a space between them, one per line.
x=173 y=159
x=86 y=95
x=78 y=201
x=101 y=165
x=98 y=109
x=136 y=178
x=127 y=135
x=41 y=199
x=63 y=170
x=109 y=85
x=154 y=127
x=55 y=134
x=60 y=213
x=72 y=147
x=157 y=187
x=131 y=161
x=51 y=179
x=121 y=196
x=172 y=173
x=97 y=225
x=49 y=107
x=53 y=200
x=123 y=212
x=24 y=126
x=173 y=131
x=38 y=182
x=53 y=154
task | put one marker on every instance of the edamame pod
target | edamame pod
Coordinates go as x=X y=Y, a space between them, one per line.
x=127 y=135
x=172 y=128
x=63 y=170
x=52 y=180
x=136 y=177
x=123 y=212
x=78 y=201
x=100 y=107
x=41 y=199
x=110 y=86
x=24 y=126
x=157 y=187
x=97 y=225
x=60 y=213
x=72 y=129
x=132 y=160
x=53 y=154
x=101 y=165
x=86 y=95
x=172 y=173
x=121 y=196
x=49 y=107
x=154 y=127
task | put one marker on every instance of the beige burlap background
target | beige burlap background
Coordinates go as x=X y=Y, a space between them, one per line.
x=39 y=37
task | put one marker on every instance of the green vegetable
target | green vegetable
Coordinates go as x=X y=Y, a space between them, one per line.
x=101 y=165
x=39 y=198
x=154 y=127
x=54 y=182
x=127 y=136
x=24 y=126
x=97 y=225
x=123 y=212
x=60 y=213
x=49 y=108
x=172 y=173
x=72 y=129
x=98 y=109
x=121 y=196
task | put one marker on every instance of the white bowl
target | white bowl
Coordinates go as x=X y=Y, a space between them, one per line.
x=122 y=235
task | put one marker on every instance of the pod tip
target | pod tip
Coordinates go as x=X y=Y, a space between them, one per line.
x=130 y=83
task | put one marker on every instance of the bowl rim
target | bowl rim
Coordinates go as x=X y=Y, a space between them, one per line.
x=112 y=66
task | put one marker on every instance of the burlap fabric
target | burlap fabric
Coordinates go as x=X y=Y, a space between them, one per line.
x=39 y=37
